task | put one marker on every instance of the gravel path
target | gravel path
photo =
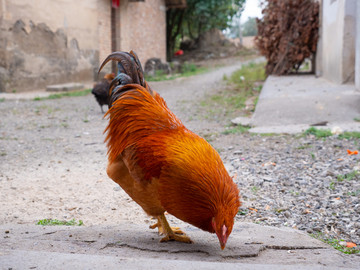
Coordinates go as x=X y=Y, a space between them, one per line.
x=53 y=160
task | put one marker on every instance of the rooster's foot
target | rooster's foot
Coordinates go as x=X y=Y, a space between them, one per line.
x=175 y=237
x=171 y=233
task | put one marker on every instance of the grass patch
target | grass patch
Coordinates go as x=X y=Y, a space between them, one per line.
x=354 y=193
x=335 y=243
x=349 y=135
x=248 y=74
x=55 y=222
x=332 y=186
x=318 y=133
x=267 y=134
x=304 y=146
x=236 y=130
x=243 y=212
x=187 y=70
x=243 y=86
x=254 y=189
x=324 y=133
x=2 y=99
x=66 y=94
x=349 y=176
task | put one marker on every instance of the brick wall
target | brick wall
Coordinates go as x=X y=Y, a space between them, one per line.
x=143 y=28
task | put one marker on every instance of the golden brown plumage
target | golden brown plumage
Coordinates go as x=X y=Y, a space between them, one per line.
x=161 y=164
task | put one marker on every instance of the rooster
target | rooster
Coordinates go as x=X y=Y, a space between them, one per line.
x=101 y=90
x=161 y=164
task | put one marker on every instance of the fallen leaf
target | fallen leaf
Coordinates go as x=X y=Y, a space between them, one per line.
x=350 y=245
x=269 y=163
x=253 y=209
x=350 y=153
x=338 y=198
x=267 y=207
x=339 y=159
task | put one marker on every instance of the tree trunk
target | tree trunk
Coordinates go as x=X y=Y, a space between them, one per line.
x=174 y=18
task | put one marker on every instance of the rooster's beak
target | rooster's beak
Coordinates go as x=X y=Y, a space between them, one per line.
x=222 y=236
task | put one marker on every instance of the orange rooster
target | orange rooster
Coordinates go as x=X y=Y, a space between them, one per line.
x=161 y=164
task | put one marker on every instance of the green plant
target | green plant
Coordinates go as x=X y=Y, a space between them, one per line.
x=332 y=186
x=2 y=99
x=305 y=146
x=349 y=176
x=354 y=193
x=335 y=243
x=243 y=212
x=54 y=222
x=254 y=189
x=318 y=133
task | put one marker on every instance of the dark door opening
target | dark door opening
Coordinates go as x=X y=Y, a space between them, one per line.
x=113 y=36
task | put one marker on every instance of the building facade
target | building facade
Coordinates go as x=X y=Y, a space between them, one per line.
x=49 y=42
x=338 y=54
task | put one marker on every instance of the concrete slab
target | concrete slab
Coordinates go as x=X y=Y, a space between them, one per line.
x=290 y=104
x=250 y=246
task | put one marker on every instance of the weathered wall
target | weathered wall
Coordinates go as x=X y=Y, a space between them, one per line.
x=143 y=28
x=46 y=42
x=338 y=34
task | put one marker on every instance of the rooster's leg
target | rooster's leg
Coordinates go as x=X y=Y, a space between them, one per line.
x=170 y=234
x=157 y=225
x=161 y=230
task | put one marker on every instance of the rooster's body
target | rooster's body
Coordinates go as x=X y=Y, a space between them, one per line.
x=162 y=165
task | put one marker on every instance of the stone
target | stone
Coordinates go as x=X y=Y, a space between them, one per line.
x=243 y=121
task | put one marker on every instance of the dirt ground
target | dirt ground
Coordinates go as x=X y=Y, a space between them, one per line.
x=53 y=156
